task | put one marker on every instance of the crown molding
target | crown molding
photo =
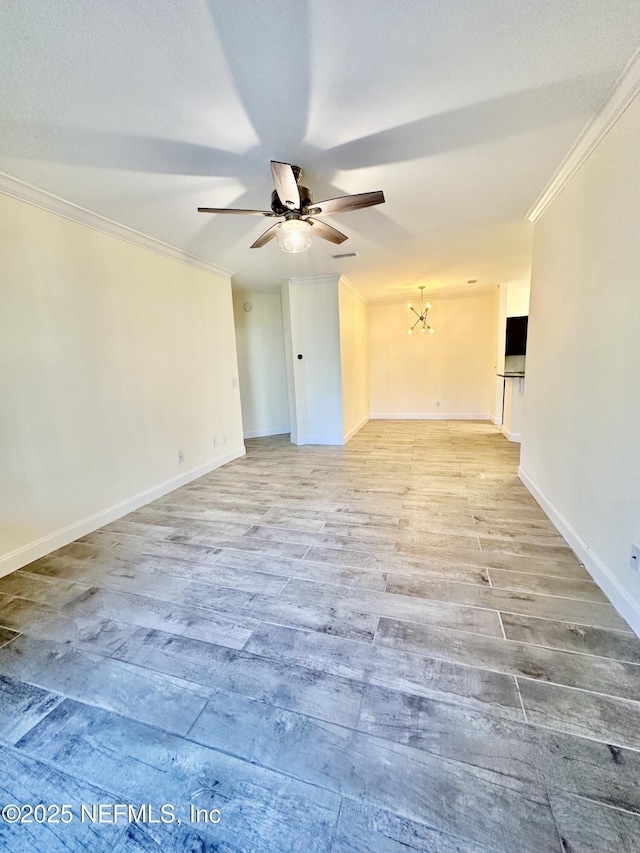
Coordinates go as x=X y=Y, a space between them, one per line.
x=337 y=279
x=22 y=191
x=320 y=279
x=620 y=97
x=350 y=286
x=435 y=296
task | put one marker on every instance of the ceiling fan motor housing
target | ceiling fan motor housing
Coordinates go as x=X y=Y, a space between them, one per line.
x=280 y=209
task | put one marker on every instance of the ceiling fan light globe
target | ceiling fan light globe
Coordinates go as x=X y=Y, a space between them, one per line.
x=293 y=236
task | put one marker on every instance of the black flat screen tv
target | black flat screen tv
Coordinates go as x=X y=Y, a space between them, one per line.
x=516 y=343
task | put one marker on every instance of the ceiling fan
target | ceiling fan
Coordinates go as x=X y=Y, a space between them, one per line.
x=295 y=203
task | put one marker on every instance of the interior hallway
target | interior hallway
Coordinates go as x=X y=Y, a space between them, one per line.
x=365 y=649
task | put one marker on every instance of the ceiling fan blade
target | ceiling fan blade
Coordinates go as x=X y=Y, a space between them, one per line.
x=286 y=184
x=346 y=202
x=269 y=234
x=236 y=211
x=327 y=232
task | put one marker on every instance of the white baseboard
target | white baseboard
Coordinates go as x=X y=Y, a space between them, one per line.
x=34 y=550
x=626 y=606
x=349 y=435
x=321 y=440
x=512 y=436
x=263 y=433
x=430 y=416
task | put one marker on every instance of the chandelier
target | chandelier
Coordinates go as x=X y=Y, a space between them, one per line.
x=422 y=316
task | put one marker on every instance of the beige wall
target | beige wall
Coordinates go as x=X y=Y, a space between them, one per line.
x=354 y=359
x=581 y=436
x=448 y=374
x=112 y=359
x=261 y=363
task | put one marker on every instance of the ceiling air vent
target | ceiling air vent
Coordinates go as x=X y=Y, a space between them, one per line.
x=346 y=255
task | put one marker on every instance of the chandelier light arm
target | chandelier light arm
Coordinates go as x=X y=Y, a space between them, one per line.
x=425 y=307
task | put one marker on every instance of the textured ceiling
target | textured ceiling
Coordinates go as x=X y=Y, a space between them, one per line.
x=460 y=110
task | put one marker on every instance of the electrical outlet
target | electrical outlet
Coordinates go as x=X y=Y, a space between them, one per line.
x=180 y=456
x=234 y=382
x=215 y=442
x=634 y=562
x=438 y=404
x=224 y=439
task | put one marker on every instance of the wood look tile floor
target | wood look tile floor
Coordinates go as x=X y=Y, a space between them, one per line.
x=380 y=648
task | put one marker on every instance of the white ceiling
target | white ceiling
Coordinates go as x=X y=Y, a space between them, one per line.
x=459 y=110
